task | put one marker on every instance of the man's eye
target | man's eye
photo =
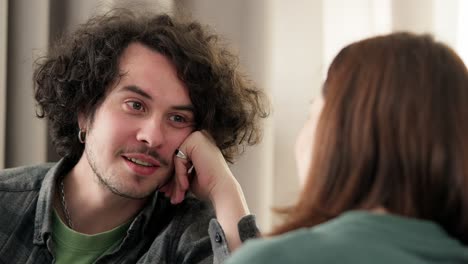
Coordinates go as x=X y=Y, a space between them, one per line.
x=135 y=105
x=178 y=118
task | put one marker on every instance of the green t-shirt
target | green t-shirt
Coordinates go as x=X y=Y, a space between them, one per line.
x=78 y=248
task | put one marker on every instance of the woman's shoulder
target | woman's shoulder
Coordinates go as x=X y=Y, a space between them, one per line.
x=325 y=242
x=293 y=247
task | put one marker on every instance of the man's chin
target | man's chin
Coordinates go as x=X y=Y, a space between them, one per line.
x=133 y=195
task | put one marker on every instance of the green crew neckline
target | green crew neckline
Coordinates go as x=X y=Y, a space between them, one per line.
x=84 y=242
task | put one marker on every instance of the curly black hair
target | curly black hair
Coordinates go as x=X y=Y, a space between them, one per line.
x=74 y=77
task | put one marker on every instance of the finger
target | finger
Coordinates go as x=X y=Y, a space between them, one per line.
x=181 y=183
x=167 y=189
x=181 y=176
x=181 y=164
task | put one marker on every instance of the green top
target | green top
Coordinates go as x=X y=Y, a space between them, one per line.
x=358 y=237
x=77 y=248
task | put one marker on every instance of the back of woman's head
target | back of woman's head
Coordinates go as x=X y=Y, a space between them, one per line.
x=392 y=135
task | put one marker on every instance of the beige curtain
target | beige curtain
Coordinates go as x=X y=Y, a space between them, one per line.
x=27 y=32
x=3 y=63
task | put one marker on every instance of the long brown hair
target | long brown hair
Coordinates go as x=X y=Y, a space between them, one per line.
x=392 y=134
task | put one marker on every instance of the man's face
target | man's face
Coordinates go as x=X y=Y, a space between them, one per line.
x=143 y=119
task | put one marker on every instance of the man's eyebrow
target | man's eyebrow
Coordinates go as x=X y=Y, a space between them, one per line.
x=189 y=108
x=138 y=90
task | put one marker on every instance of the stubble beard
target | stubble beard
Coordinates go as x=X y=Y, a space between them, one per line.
x=111 y=183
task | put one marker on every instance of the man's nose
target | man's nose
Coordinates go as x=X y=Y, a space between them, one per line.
x=152 y=133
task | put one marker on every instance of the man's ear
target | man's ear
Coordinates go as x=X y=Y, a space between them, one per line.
x=82 y=122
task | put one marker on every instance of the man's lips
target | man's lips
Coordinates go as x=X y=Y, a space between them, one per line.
x=142 y=159
x=141 y=164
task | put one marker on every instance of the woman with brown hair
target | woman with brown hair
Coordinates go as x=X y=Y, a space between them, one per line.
x=387 y=177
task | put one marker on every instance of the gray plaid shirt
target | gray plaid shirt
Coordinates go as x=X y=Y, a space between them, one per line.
x=160 y=233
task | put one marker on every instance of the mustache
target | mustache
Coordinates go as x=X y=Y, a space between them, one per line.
x=147 y=151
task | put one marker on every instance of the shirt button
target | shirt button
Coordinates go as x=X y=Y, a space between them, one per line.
x=218 y=238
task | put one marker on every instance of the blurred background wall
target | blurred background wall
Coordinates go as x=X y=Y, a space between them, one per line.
x=285 y=47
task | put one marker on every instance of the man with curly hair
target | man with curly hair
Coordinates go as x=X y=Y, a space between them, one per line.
x=145 y=110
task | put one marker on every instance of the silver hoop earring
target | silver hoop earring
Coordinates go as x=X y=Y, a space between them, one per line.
x=81 y=136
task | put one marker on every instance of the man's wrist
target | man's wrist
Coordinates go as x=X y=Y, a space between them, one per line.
x=227 y=191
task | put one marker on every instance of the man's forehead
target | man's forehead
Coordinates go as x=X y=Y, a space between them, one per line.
x=150 y=74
